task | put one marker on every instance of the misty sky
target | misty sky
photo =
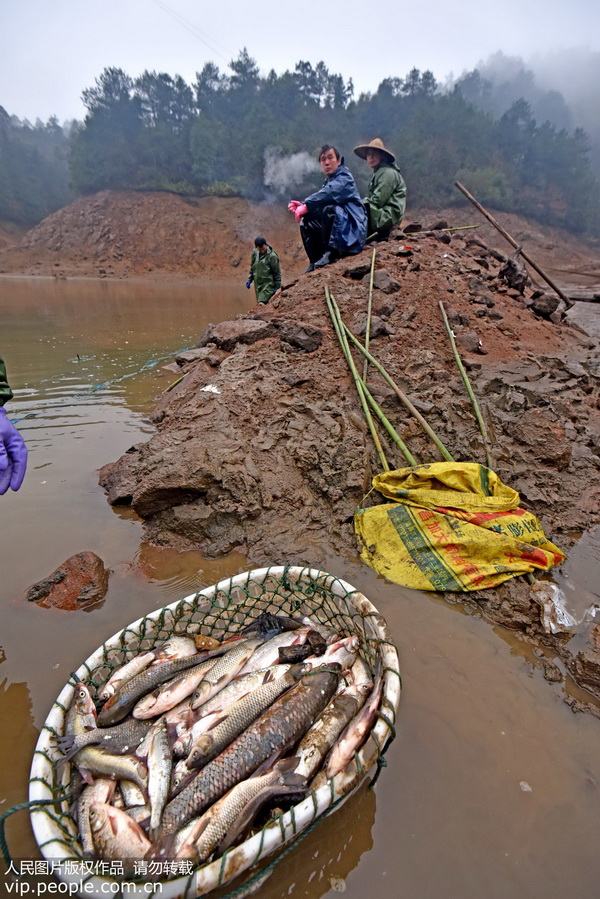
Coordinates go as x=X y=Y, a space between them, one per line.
x=51 y=50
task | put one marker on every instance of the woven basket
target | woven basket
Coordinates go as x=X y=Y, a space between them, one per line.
x=218 y=611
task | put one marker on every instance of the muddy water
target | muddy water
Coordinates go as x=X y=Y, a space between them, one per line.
x=491 y=787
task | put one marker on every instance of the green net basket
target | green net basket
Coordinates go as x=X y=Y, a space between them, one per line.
x=217 y=611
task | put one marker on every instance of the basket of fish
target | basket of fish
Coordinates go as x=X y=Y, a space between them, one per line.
x=211 y=733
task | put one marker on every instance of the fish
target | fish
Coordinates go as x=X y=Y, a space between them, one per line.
x=81 y=714
x=183 y=744
x=124 y=673
x=170 y=694
x=268 y=654
x=267 y=622
x=116 y=836
x=223 y=823
x=94 y=760
x=225 y=669
x=356 y=731
x=125 y=737
x=125 y=698
x=160 y=762
x=269 y=736
x=100 y=791
x=239 y=686
x=238 y=717
x=131 y=793
x=343 y=651
x=175 y=647
x=318 y=741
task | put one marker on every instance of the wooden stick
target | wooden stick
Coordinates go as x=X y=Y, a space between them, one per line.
x=368 y=325
x=470 y=390
x=514 y=243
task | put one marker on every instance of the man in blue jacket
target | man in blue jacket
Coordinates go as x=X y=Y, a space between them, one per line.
x=333 y=221
x=13 y=452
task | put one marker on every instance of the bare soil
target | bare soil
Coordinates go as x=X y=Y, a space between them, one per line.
x=262 y=446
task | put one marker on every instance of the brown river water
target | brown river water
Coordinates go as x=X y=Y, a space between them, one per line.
x=491 y=786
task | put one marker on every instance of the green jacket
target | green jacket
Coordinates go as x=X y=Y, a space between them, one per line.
x=386 y=197
x=5 y=391
x=266 y=273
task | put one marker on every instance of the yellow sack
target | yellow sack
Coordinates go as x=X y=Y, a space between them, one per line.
x=452 y=526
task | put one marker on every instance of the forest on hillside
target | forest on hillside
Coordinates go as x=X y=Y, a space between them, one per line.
x=238 y=133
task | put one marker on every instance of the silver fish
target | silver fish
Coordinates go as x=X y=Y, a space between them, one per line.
x=81 y=714
x=317 y=742
x=100 y=791
x=344 y=652
x=222 y=824
x=125 y=737
x=159 y=773
x=241 y=685
x=183 y=744
x=275 y=731
x=225 y=669
x=268 y=654
x=173 y=692
x=93 y=760
x=131 y=793
x=115 y=834
x=355 y=732
x=177 y=647
x=238 y=717
x=124 y=699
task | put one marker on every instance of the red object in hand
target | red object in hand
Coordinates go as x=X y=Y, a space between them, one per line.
x=300 y=211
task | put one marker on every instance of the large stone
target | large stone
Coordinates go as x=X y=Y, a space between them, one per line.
x=80 y=581
x=300 y=337
x=545 y=304
x=227 y=334
x=383 y=281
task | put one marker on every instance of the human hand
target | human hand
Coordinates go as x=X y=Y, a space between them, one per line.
x=293 y=205
x=248 y=283
x=300 y=211
x=13 y=455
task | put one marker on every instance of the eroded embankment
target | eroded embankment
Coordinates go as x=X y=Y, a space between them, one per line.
x=262 y=446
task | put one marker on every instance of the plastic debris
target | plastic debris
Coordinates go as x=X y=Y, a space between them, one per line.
x=555 y=618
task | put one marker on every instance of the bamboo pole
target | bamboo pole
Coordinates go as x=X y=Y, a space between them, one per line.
x=357 y=381
x=513 y=243
x=395 y=436
x=369 y=307
x=399 y=393
x=470 y=391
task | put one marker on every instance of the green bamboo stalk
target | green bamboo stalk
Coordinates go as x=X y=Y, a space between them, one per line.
x=467 y=383
x=399 y=393
x=367 y=414
x=369 y=307
x=367 y=393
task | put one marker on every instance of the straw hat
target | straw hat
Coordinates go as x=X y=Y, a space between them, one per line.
x=376 y=144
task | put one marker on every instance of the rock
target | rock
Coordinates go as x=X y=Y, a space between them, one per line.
x=378 y=326
x=438 y=225
x=79 y=582
x=211 y=355
x=300 y=337
x=545 y=304
x=227 y=334
x=357 y=271
x=469 y=340
x=412 y=228
x=383 y=281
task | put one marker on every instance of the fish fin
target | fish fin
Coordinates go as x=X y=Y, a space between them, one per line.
x=269 y=676
x=87 y=776
x=216 y=722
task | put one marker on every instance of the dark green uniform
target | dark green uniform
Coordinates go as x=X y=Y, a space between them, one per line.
x=266 y=273
x=5 y=391
x=386 y=197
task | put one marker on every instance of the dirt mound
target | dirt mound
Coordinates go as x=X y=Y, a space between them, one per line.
x=122 y=234
x=262 y=446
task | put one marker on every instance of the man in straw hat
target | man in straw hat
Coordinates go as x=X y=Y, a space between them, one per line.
x=332 y=221
x=386 y=198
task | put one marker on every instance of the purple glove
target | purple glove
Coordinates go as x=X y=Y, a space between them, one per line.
x=13 y=455
x=300 y=211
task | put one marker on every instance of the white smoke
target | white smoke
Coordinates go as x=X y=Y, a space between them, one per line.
x=283 y=173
